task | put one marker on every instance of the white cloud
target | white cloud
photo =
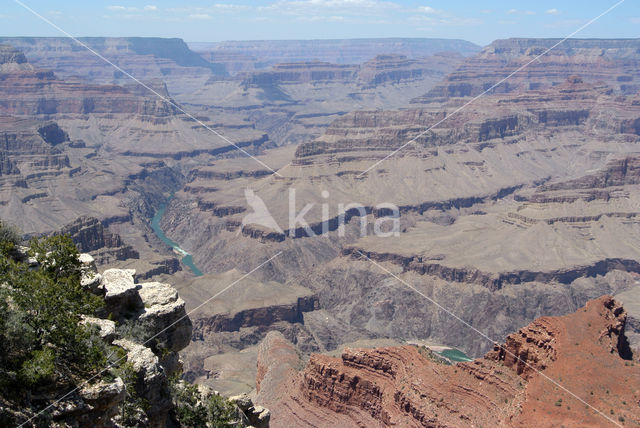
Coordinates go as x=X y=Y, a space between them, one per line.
x=117 y=8
x=429 y=10
x=553 y=11
x=322 y=18
x=229 y=7
x=520 y=12
x=200 y=16
x=426 y=15
x=55 y=12
x=216 y=8
x=330 y=7
x=441 y=20
x=151 y=7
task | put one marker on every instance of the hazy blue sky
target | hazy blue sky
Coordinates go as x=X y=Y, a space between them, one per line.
x=476 y=21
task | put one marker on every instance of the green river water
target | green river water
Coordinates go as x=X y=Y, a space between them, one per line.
x=455 y=355
x=187 y=259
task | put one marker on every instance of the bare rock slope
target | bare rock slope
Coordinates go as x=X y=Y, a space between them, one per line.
x=516 y=384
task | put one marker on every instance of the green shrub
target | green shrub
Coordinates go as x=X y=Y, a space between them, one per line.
x=42 y=343
x=10 y=236
x=40 y=368
x=192 y=410
x=220 y=412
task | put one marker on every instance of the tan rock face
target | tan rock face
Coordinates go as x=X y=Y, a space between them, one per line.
x=90 y=235
x=156 y=315
x=121 y=293
x=583 y=352
x=165 y=315
x=611 y=61
x=94 y=405
x=151 y=383
x=104 y=399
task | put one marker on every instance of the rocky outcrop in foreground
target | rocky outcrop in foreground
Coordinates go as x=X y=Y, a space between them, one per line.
x=524 y=382
x=149 y=323
x=144 y=326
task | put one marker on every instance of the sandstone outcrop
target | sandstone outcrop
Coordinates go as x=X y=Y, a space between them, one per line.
x=512 y=385
x=151 y=381
x=161 y=328
x=154 y=311
x=256 y=416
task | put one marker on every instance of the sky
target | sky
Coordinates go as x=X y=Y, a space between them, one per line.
x=208 y=21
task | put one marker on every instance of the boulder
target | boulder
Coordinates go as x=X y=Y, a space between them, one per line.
x=260 y=417
x=104 y=399
x=164 y=317
x=93 y=405
x=121 y=293
x=243 y=401
x=256 y=416
x=107 y=327
x=91 y=279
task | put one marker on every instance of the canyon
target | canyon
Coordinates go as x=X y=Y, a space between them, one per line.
x=520 y=204
x=512 y=385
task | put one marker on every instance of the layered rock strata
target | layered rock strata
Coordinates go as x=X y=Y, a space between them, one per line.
x=512 y=385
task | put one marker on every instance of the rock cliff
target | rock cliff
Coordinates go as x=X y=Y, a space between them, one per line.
x=147 y=58
x=514 y=385
x=90 y=236
x=91 y=150
x=612 y=61
x=261 y=54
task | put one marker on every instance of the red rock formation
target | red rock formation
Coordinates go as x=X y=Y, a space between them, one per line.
x=530 y=350
x=557 y=370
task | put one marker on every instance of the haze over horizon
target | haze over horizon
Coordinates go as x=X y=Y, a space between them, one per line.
x=204 y=21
